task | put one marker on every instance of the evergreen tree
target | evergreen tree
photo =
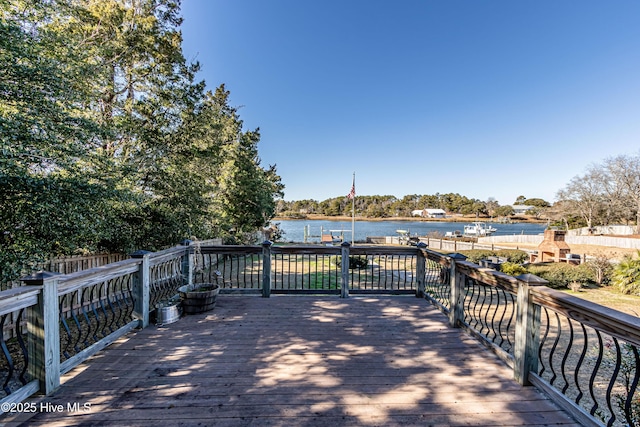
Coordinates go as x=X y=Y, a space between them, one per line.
x=52 y=196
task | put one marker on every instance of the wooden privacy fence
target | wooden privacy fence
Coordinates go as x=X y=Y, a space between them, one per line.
x=584 y=355
x=71 y=264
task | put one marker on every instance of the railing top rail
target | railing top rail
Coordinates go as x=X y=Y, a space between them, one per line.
x=436 y=256
x=387 y=250
x=71 y=282
x=613 y=322
x=307 y=249
x=488 y=276
x=156 y=258
x=229 y=249
x=17 y=298
x=169 y=251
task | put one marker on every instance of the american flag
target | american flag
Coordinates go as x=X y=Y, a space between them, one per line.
x=352 y=193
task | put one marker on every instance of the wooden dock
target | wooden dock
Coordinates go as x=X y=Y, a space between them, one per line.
x=296 y=361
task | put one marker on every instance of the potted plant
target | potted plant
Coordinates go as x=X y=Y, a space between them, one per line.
x=199 y=297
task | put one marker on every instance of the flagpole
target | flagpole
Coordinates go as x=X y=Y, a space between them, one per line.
x=353 y=212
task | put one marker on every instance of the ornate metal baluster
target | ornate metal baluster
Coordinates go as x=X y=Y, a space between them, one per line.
x=512 y=311
x=295 y=274
x=103 y=311
x=129 y=300
x=634 y=385
x=23 y=347
x=95 y=313
x=543 y=340
x=594 y=372
x=153 y=286
x=86 y=316
x=502 y=333
x=244 y=270
x=74 y=307
x=554 y=346
x=612 y=381
x=469 y=298
x=480 y=311
x=576 y=376
x=110 y=289
x=307 y=262
x=119 y=298
x=495 y=295
x=565 y=357
x=63 y=320
x=492 y=307
x=7 y=356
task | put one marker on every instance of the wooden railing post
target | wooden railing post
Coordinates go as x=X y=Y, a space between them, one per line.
x=527 y=333
x=188 y=262
x=344 y=285
x=456 y=297
x=43 y=326
x=266 y=269
x=421 y=261
x=141 y=291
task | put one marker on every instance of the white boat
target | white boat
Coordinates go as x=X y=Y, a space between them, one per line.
x=478 y=229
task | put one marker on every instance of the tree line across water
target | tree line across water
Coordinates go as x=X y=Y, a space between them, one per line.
x=109 y=142
x=391 y=206
x=607 y=193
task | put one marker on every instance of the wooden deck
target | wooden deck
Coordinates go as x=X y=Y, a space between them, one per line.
x=297 y=361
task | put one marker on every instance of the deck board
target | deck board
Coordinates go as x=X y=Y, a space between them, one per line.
x=299 y=361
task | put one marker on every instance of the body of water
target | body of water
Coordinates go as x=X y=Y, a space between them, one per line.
x=294 y=229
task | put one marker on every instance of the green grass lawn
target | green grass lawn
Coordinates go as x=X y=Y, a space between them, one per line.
x=610 y=297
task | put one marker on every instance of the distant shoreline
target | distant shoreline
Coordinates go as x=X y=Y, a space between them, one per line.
x=312 y=217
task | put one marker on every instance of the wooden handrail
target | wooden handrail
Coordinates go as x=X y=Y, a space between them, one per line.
x=18 y=298
x=74 y=281
x=488 y=276
x=604 y=319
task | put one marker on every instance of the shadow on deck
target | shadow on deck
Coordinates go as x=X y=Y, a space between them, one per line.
x=297 y=360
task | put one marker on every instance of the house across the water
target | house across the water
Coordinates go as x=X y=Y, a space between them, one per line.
x=429 y=213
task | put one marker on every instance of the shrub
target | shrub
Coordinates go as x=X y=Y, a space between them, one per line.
x=626 y=275
x=475 y=255
x=560 y=275
x=354 y=261
x=602 y=269
x=512 y=269
x=513 y=255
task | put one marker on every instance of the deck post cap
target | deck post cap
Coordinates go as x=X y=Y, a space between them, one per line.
x=139 y=253
x=39 y=277
x=532 y=279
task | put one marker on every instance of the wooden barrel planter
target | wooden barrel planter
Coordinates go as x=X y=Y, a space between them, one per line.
x=199 y=297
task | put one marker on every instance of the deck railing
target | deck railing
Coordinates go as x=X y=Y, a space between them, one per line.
x=584 y=355
x=57 y=321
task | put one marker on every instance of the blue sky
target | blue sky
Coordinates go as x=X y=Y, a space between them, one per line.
x=482 y=98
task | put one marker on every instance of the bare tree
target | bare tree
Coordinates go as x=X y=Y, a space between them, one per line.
x=623 y=174
x=491 y=205
x=584 y=195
